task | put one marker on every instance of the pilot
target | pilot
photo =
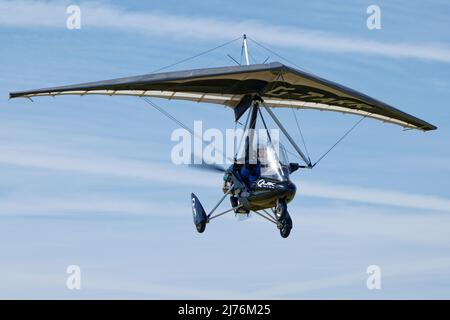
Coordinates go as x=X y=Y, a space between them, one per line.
x=250 y=172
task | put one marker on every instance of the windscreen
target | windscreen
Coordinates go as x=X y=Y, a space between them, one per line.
x=270 y=164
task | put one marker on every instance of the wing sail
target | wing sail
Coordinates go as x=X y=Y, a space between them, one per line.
x=277 y=84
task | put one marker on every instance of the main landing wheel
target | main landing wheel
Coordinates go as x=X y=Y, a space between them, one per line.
x=283 y=217
x=286 y=226
x=199 y=214
x=201 y=226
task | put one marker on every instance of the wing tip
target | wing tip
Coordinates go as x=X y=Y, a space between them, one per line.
x=13 y=95
x=427 y=127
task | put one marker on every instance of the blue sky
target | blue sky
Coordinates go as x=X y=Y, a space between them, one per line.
x=89 y=181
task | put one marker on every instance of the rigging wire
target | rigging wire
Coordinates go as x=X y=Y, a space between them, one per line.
x=242 y=53
x=196 y=55
x=297 y=66
x=259 y=52
x=340 y=139
x=181 y=124
x=168 y=115
x=253 y=58
x=301 y=134
x=290 y=152
x=229 y=56
x=275 y=53
x=243 y=136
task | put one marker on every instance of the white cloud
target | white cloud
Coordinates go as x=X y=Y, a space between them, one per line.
x=376 y=196
x=99 y=286
x=105 y=166
x=60 y=206
x=52 y=14
x=391 y=270
x=181 y=175
x=363 y=221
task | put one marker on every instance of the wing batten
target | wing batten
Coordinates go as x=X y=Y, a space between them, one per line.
x=279 y=85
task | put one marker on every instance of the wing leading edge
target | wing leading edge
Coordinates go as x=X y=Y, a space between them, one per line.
x=277 y=84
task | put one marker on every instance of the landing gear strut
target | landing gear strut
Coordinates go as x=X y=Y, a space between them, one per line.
x=200 y=216
x=280 y=216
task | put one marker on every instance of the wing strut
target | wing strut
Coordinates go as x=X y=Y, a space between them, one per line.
x=283 y=129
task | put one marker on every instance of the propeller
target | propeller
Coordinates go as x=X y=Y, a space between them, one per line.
x=205 y=166
x=215 y=168
x=208 y=167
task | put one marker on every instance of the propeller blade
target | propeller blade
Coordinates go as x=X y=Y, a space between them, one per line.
x=207 y=167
